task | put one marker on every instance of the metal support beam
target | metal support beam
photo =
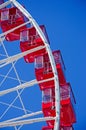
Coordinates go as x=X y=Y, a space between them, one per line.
x=25 y=85
x=16 y=57
x=24 y=116
x=24 y=122
x=13 y=29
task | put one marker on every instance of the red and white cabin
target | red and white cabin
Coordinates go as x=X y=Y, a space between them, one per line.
x=67 y=128
x=61 y=128
x=29 y=39
x=11 y=18
x=43 y=69
x=48 y=128
x=67 y=115
x=67 y=101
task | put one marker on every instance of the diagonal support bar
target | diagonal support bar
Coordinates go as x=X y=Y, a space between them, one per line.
x=13 y=29
x=24 y=116
x=24 y=122
x=25 y=85
x=18 y=56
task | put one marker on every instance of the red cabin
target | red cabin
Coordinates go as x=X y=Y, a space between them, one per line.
x=11 y=18
x=43 y=69
x=61 y=128
x=48 y=104
x=47 y=128
x=67 y=128
x=29 y=39
x=67 y=115
x=1 y=2
x=68 y=102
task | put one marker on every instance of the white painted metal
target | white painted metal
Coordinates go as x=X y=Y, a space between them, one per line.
x=23 y=122
x=24 y=116
x=16 y=73
x=25 y=85
x=57 y=91
x=16 y=57
x=13 y=29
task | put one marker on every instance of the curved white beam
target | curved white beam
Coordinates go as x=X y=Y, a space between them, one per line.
x=57 y=89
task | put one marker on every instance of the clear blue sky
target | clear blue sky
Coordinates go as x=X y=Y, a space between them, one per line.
x=65 y=21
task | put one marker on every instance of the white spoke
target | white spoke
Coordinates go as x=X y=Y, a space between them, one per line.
x=24 y=116
x=13 y=29
x=18 y=56
x=25 y=85
x=24 y=122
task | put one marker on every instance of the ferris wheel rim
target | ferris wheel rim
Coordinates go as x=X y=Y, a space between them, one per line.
x=31 y=19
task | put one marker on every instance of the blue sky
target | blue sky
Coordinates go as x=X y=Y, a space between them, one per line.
x=65 y=21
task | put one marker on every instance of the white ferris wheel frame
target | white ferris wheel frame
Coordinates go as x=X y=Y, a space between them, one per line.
x=11 y=59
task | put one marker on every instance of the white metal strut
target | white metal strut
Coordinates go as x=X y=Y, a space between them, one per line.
x=24 y=116
x=23 y=122
x=25 y=85
x=16 y=57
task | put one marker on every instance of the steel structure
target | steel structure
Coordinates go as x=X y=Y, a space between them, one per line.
x=19 y=121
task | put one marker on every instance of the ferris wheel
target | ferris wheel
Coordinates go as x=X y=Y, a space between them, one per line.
x=25 y=53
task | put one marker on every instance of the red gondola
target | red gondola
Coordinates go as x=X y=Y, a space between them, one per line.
x=61 y=128
x=47 y=128
x=1 y=2
x=29 y=39
x=67 y=115
x=48 y=104
x=43 y=69
x=67 y=128
x=67 y=105
x=11 y=18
